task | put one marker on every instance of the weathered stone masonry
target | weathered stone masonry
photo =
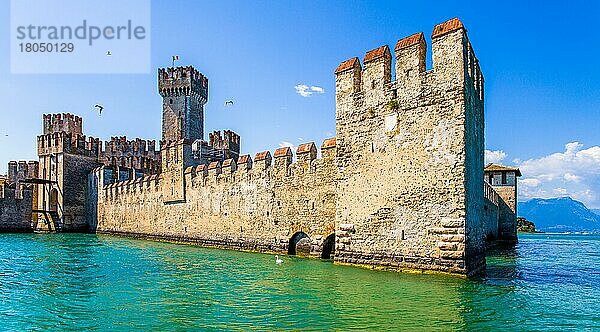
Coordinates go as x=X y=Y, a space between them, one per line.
x=256 y=205
x=15 y=209
x=410 y=156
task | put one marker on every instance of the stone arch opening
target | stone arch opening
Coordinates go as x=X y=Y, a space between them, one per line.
x=328 y=247
x=54 y=200
x=297 y=238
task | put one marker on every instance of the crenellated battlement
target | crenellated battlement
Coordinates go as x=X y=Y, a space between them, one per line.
x=137 y=153
x=182 y=81
x=371 y=86
x=15 y=208
x=20 y=170
x=120 y=144
x=228 y=143
x=279 y=166
x=65 y=122
x=63 y=142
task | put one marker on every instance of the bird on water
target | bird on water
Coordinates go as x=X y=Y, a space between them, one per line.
x=278 y=260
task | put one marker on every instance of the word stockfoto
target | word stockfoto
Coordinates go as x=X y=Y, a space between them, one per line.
x=82 y=32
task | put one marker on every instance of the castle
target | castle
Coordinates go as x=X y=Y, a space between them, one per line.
x=401 y=186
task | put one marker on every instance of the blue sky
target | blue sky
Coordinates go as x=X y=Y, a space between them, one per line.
x=539 y=59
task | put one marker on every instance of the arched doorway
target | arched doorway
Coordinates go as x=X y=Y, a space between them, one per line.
x=54 y=200
x=328 y=247
x=298 y=237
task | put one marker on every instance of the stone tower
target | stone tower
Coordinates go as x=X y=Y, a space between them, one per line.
x=410 y=155
x=184 y=91
x=503 y=180
x=65 y=160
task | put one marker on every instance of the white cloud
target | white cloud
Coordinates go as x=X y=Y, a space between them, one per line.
x=284 y=144
x=532 y=183
x=496 y=156
x=574 y=172
x=307 y=91
x=560 y=191
x=317 y=89
x=572 y=177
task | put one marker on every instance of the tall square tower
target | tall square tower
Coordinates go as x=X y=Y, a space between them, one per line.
x=184 y=91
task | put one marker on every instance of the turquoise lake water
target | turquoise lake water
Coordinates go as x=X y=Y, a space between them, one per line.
x=88 y=282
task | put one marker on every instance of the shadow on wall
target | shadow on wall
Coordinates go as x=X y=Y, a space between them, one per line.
x=298 y=243
x=328 y=247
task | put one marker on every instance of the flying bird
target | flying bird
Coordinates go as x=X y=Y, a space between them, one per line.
x=229 y=102
x=108 y=53
x=100 y=108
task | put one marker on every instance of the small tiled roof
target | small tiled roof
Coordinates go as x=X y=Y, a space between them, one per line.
x=446 y=27
x=282 y=152
x=227 y=162
x=244 y=159
x=213 y=165
x=376 y=53
x=262 y=155
x=410 y=41
x=348 y=64
x=491 y=167
x=328 y=143
x=200 y=168
x=306 y=147
x=189 y=169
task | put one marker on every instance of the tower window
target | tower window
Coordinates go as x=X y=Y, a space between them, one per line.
x=503 y=177
x=171 y=101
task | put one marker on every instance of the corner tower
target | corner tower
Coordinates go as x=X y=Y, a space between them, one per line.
x=410 y=156
x=184 y=91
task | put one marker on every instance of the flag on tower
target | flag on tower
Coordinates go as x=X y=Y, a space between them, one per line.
x=175 y=58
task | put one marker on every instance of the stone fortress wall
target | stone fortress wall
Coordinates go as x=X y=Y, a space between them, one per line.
x=16 y=198
x=15 y=209
x=255 y=205
x=401 y=186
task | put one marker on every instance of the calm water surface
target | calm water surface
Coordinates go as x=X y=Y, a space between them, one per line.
x=88 y=282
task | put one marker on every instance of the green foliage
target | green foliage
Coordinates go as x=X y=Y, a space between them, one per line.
x=393 y=105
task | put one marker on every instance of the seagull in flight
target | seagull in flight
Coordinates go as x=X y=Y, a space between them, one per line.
x=100 y=108
x=108 y=53
x=229 y=102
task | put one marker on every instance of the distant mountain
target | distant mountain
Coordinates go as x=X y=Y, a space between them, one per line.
x=562 y=214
